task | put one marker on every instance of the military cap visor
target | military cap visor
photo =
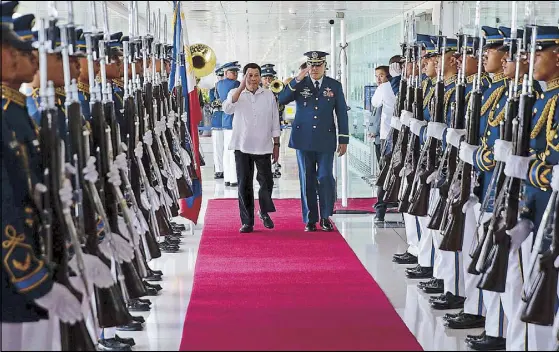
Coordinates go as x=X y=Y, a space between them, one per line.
x=11 y=38
x=546 y=37
x=8 y=9
x=316 y=58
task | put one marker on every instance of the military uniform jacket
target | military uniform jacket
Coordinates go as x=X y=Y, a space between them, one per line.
x=217 y=114
x=544 y=146
x=428 y=85
x=314 y=127
x=25 y=275
x=223 y=88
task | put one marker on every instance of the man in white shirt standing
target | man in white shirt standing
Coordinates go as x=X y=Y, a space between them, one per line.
x=255 y=140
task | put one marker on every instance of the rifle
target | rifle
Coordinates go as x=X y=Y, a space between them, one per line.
x=414 y=146
x=393 y=180
x=419 y=198
x=393 y=137
x=461 y=185
x=75 y=336
x=495 y=263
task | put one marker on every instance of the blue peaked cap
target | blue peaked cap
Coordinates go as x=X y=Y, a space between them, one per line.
x=23 y=25
x=231 y=66
x=8 y=9
x=316 y=57
x=546 y=36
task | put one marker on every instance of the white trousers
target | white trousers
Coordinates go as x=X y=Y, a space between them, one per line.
x=474 y=296
x=412 y=233
x=43 y=335
x=217 y=141
x=229 y=166
x=426 y=257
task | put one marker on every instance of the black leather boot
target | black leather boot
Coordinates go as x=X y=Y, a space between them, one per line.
x=112 y=345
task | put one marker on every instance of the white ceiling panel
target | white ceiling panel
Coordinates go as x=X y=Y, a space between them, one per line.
x=281 y=31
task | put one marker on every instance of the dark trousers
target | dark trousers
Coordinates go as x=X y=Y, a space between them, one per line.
x=245 y=173
x=380 y=206
x=377 y=151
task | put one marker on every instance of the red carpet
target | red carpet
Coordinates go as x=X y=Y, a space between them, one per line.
x=361 y=204
x=284 y=289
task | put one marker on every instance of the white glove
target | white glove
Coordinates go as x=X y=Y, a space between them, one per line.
x=467 y=152
x=472 y=200
x=96 y=272
x=90 y=172
x=148 y=138
x=123 y=251
x=65 y=193
x=122 y=228
x=520 y=232
x=124 y=147
x=555 y=178
x=185 y=156
x=454 y=137
x=70 y=169
x=395 y=69
x=486 y=217
x=395 y=123
x=406 y=117
x=144 y=200
x=416 y=126
x=120 y=162
x=517 y=166
x=556 y=264
x=114 y=176
x=433 y=177
x=59 y=301
x=436 y=130
x=502 y=150
x=139 y=150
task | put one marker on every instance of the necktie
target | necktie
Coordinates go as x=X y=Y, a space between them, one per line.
x=317 y=87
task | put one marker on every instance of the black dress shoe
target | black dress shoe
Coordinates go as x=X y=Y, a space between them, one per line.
x=405 y=259
x=112 y=345
x=326 y=225
x=233 y=184
x=145 y=301
x=151 y=291
x=157 y=272
x=165 y=247
x=436 y=286
x=421 y=273
x=246 y=229
x=218 y=175
x=178 y=227
x=449 y=316
x=132 y=326
x=125 y=340
x=156 y=286
x=136 y=306
x=310 y=227
x=266 y=220
x=399 y=255
x=425 y=283
x=441 y=297
x=227 y=184
x=139 y=319
x=415 y=268
x=488 y=343
x=450 y=301
x=475 y=337
x=153 y=277
x=466 y=321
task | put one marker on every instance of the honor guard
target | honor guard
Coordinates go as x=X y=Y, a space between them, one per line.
x=28 y=290
x=217 y=131
x=315 y=138
x=536 y=169
x=229 y=82
x=268 y=76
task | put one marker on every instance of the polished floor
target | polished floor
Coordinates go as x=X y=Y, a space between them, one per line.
x=373 y=246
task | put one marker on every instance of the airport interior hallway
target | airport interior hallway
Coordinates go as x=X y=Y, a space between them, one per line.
x=372 y=245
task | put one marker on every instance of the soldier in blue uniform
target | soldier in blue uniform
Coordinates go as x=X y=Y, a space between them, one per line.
x=217 y=131
x=314 y=136
x=28 y=289
x=231 y=72
x=268 y=75
x=536 y=169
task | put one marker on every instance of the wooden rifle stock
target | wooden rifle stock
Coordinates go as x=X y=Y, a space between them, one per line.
x=459 y=192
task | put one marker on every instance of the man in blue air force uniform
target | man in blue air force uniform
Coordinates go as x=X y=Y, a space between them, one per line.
x=29 y=292
x=231 y=71
x=314 y=136
x=217 y=131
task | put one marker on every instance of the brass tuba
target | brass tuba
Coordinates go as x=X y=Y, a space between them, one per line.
x=276 y=86
x=203 y=59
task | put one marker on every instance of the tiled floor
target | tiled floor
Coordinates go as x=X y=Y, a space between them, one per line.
x=373 y=246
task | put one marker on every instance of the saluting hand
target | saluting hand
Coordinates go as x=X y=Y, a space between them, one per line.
x=243 y=83
x=303 y=73
x=342 y=149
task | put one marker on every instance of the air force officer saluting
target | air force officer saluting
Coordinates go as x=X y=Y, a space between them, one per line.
x=314 y=136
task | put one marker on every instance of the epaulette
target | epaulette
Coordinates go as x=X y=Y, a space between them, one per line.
x=83 y=87
x=429 y=94
x=539 y=173
x=447 y=96
x=12 y=96
x=553 y=84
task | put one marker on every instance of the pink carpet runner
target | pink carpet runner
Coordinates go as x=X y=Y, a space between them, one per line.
x=284 y=289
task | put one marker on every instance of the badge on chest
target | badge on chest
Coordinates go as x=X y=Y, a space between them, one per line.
x=306 y=93
x=328 y=93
